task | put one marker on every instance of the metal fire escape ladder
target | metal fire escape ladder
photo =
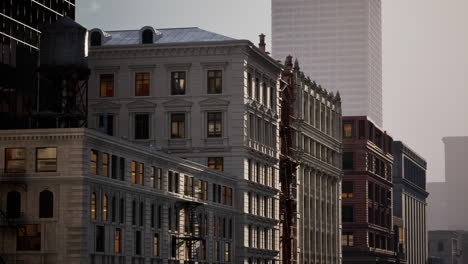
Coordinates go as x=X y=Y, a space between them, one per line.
x=192 y=235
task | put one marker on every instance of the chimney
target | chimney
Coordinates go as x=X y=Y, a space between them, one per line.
x=262 y=44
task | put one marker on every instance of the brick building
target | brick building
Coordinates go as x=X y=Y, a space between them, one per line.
x=367 y=193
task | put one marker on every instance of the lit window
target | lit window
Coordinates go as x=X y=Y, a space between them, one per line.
x=348 y=130
x=215 y=163
x=93 y=206
x=46 y=159
x=178 y=125
x=147 y=37
x=178 y=83
x=46 y=204
x=141 y=173
x=152 y=177
x=106 y=85
x=348 y=191
x=156 y=245
x=15 y=160
x=215 y=82
x=215 y=124
x=118 y=240
x=134 y=168
x=28 y=237
x=347 y=239
x=104 y=207
x=188 y=185
x=105 y=164
x=142 y=84
x=141 y=126
x=227 y=252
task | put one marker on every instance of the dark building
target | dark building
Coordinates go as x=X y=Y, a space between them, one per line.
x=409 y=201
x=367 y=216
x=21 y=22
x=448 y=247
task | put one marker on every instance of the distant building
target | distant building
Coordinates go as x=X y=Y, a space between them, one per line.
x=367 y=213
x=409 y=200
x=79 y=196
x=200 y=96
x=21 y=24
x=339 y=43
x=448 y=247
x=448 y=200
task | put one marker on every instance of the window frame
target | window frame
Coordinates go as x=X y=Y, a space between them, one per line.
x=216 y=163
x=23 y=159
x=46 y=159
x=142 y=79
x=175 y=82
x=181 y=126
x=145 y=133
x=215 y=78
x=106 y=85
x=214 y=120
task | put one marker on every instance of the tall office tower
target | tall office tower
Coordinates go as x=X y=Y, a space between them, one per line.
x=409 y=201
x=20 y=30
x=339 y=44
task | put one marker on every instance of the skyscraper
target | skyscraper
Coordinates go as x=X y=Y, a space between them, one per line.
x=339 y=44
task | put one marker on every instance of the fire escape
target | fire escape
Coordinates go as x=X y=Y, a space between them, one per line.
x=288 y=195
x=192 y=233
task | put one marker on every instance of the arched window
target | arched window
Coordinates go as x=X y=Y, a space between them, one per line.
x=147 y=36
x=104 y=207
x=93 y=206
x=13 y=204
x=46 y=204
x=95 y=39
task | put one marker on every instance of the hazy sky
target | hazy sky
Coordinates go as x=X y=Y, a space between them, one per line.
x=425 y=56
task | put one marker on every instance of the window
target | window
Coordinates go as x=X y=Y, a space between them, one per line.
x=347 y=239
x=106 y=85
x=348 y=160
x=93 y=206
x=178 y=125
x=104 y=207
x=28 y=237
x=215 y=163
x=46 y=204
x=134 y=209
x=178 y=83
x=94 y=162
x=348 y=191
x=348 y=130
x=249 y=84
x=156 y=245
x=440 y=246
x=229 y=196
x=122 y=210
x=348 y=213
x=142 y=213
x=95 y=39
x=114 y=167
x=100 y=238
x=134 y=168
x=105 y=164
x=106 y=123
x=141 y=126
x=13 y=204
x=362 y=129
x=113 y=208
x=15 y=160
x=159 y=178
x=227 y=252
x=141 y=173
x=265 y=93
x=202 y=190
x=216 y=251
x=215 y=124
x=152 y=177
x=215 y=82
x=170 y=181
x=118 y=240
x=46 y=159
x=272 y=97
x=142 y=84
x=188 y=186
x=152 y=215
x=137 y=242
x=257 y=89
x=147 y=37
x=173 y=246
x=122 y=168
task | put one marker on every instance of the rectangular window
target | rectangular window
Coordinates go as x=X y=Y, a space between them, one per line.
x=152 y=177
x=178 y=125
x=142 y=84
x=257 y=89
x=188 y=185
x=348 y=191
x=118 y=240
x=272 y=97
x=348 y=130
x=134 y=171
x=106 y=84
x=137 y=242
x=46 y=159
x=176 y=182
x=28 y=237
x=348 y=214
x=106 y=123
x=265 y=93
x=105 y=164
x=215 y=124
x=348 y=160
x=141 y=173
x=159 y=178
x=15 y=160
x=100 y=239
x=156 y=245
x=170 y=181
x=114 y=167
x=173 y=246
x=122 y=169
x=362 y=129
x=229 y=196
x=142 y=126
x=178 y=83
x=94 y=162
x=227 y=252
x=215 y=81
x=249 y=84
x=216 y=163
x=216 y=250
x=347 y=239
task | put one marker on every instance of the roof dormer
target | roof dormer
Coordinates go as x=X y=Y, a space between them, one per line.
x=149 y=35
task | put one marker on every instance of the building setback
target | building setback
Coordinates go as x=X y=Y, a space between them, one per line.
x=79 y=196
x=340 y=46
x=204 y=97
x=367 y=215
x=20 y=29
x=409 y=200
x=317 y=145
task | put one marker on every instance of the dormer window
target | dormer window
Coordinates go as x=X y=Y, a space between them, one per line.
x=147 y=36
x=95 y=39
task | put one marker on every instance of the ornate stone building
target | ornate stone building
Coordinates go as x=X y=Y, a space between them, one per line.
x=79 y=196
x=203 y=97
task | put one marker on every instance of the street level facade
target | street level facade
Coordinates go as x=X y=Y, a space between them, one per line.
x=203 y=97
x=80 y=196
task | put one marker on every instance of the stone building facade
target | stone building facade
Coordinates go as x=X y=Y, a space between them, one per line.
x=448 y=246
x=317 y=151
x=367 y=212
x=409 y=201
x=204 y=97
x=79 y=196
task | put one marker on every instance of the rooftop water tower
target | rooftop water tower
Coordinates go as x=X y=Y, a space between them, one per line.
x=62 y=96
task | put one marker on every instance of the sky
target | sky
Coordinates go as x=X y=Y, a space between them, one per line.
x=425 y=56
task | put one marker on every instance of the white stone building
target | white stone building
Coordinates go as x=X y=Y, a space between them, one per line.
x=79 y=196
x=203 y=97
x=339 y=43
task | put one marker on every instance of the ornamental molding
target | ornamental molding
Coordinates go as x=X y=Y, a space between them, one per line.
x=177 y=103
x=104 y=105
x=141 y=104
